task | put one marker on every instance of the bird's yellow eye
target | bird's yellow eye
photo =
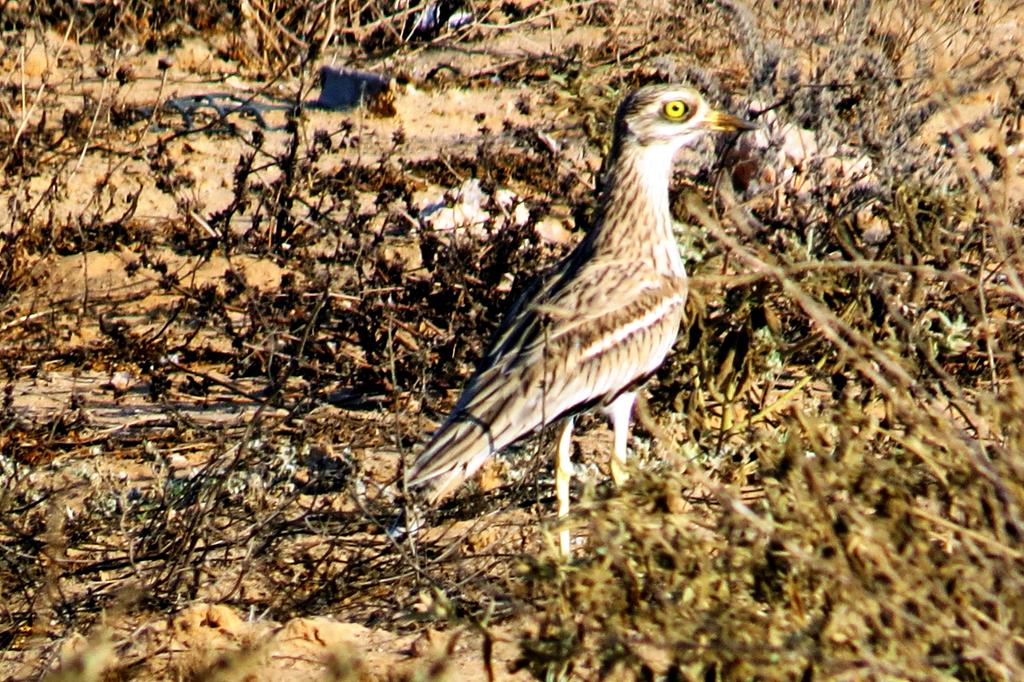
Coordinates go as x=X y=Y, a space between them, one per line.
x=675 y=110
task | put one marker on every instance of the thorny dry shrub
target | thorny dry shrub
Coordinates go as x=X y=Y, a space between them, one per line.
x=270 y=37
x=305 y=343
x=874 y=551
x=834 y=487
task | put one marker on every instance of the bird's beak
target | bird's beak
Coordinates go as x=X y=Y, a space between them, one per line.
x=723 y=122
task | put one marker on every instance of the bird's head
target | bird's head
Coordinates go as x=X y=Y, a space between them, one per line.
x=670 y=116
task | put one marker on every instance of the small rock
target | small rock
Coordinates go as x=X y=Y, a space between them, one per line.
x=552 y=230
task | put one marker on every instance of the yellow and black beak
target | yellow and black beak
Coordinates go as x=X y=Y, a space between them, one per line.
x=723 y=122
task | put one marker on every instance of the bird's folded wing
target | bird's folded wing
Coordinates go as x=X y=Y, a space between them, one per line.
x=581 y=341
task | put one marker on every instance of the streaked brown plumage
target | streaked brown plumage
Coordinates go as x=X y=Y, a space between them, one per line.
x=600 y=323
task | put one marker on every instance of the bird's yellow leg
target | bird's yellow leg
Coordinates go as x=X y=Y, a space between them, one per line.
x=620 y=411
x=563 y=474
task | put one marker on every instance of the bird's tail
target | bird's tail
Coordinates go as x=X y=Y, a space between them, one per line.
x=456 y=452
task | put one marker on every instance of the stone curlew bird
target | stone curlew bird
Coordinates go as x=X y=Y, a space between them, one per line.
x=600 y=323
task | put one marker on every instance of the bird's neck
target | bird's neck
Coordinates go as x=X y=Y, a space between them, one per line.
x=635 y=220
